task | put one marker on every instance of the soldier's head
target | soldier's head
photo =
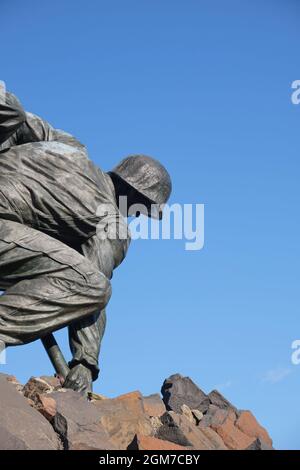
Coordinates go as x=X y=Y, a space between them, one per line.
x=144 y=181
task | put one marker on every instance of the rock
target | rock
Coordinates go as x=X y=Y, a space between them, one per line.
x=178 y=390
x=247 y=423
x=123 y=417
x=232 y=436
x=9 y=440
x=78 y=422
x=178 y=429
x=35 y=387
x=46 y=406
x=60 y=426
x=53 y=382
x=215 y=416
x=170 y=431
x=96 y=396
x=152 y=443
x=153 y=405
x=13 y=380
x=186 y=411
x=155 y=423
x=81 y=446
x=217 y=399
x=42 y=415
x=36 y=391
x=199 y=439
x=214 y=438
x=222 y=421
x=198 y=415
x=258 y=444
x=22 y=427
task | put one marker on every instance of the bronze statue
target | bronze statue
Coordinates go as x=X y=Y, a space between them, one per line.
x=55 y=267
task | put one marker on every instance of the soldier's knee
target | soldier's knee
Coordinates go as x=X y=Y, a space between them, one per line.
x=100 y=289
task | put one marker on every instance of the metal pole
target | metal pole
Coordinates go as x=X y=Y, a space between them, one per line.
x=55 y=355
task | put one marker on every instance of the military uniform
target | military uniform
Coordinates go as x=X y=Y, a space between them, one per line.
x=54 y=267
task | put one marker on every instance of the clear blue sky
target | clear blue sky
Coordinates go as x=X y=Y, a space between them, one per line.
x=204 y=86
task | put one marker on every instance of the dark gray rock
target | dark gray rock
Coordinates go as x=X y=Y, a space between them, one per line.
x=208 y=416
x=259 y=444
x=215 y=416
x=78 y=422
x=60 y=426
x=178 y=429
x=217 y=399
x=170 y=431
x=22 y=427
x=178 y=390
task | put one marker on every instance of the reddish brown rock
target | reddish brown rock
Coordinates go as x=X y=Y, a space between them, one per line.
x=123 y=417
x=46 y=406
x=152 y=443
x=249 y=425
x=214 y=438
x=37 y=391
x=153 y=405
x=232 y=436
x=35 y=387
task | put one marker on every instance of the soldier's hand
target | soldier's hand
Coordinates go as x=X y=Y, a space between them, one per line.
x=79 y=379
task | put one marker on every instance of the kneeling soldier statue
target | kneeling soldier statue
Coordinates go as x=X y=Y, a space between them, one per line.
x=62 y=233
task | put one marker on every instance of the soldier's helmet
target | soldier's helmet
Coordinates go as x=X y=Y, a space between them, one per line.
x=147 y=176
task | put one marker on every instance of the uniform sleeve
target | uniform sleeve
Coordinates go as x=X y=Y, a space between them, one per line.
x=85 y=335
x=19 y=127
x=36 y=129
x=12 y=116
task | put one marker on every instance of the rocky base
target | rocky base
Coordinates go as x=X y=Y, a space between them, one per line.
x=42 y=415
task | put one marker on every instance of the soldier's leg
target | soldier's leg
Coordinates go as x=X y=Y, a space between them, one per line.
x=47 y=284
x=85 y=337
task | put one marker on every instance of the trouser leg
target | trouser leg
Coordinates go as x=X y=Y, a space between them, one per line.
x=85 y=337
x=48 y=285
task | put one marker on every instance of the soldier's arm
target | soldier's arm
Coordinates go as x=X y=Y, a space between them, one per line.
x=12 y=115
x=85 y=335
x=21 y=127
x=36 y=129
